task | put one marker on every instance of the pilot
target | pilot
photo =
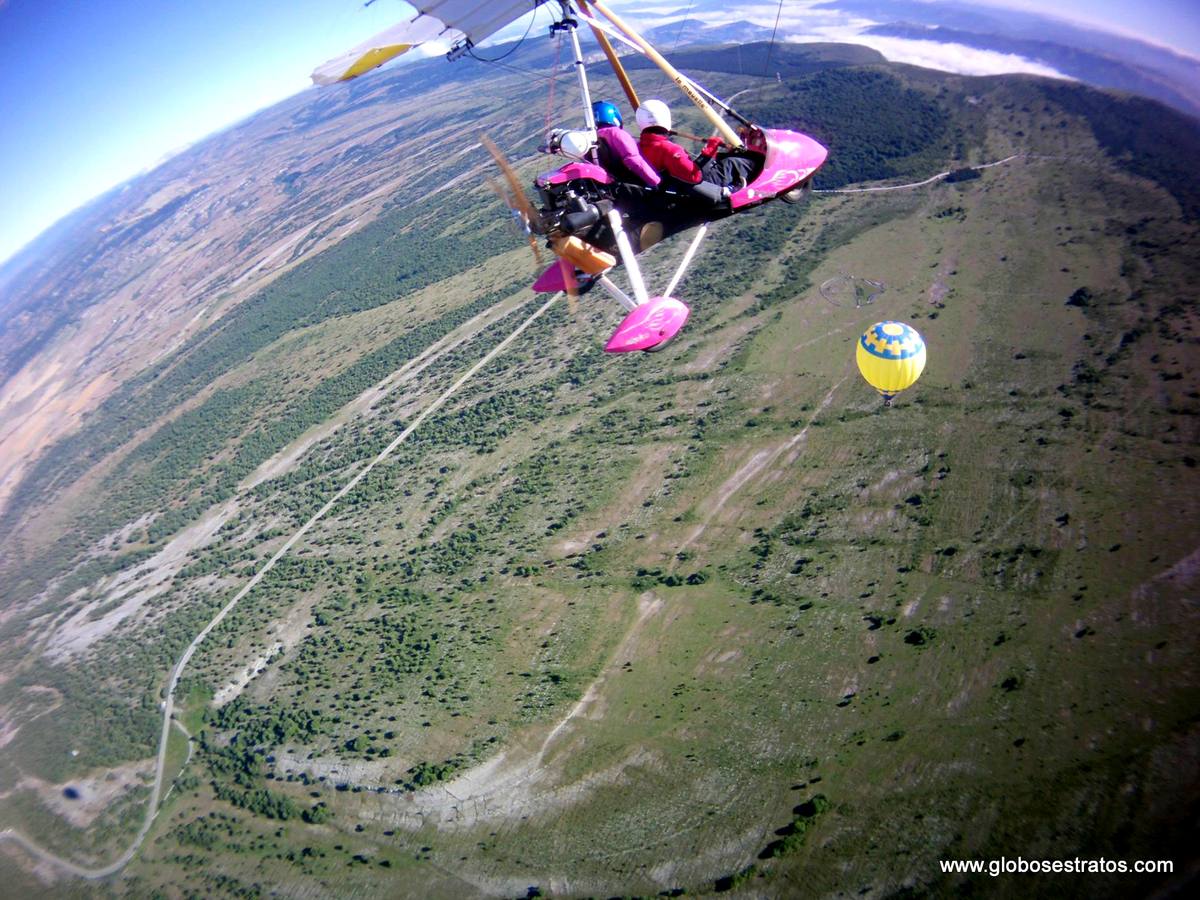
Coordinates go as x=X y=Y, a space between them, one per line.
x=728 y=172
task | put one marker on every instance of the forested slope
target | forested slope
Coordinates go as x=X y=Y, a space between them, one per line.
x=704 y=619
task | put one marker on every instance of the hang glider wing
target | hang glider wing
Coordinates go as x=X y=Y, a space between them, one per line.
x=377 y=50
x=471 y=20
x=478 y=20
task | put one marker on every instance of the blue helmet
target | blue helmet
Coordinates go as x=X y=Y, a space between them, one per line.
x=606 y=113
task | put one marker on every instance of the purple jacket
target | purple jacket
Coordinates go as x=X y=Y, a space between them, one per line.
x=620 y=157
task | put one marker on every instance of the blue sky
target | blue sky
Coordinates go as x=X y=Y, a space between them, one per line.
x=95 y=91
x=1171 y=23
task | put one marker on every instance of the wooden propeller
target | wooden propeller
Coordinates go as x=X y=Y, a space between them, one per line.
x=516 y=200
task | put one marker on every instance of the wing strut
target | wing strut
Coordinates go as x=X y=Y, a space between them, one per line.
x=569 y=25
x=632 y=269
x=613 y=59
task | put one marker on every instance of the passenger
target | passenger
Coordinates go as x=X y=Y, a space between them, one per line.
x=729 y=173
x=617 y=150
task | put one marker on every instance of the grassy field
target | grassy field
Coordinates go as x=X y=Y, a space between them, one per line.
x=715 y=619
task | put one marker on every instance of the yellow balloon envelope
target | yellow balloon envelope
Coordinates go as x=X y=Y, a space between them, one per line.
x=891 y=357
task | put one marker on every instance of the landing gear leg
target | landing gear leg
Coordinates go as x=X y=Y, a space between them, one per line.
x=687 y=258
x=628 y=257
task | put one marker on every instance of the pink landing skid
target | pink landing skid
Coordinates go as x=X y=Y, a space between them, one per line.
x=650 y=325
x=554 y=279
x=791 y=158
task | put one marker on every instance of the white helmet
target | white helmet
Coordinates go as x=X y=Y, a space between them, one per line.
x=654 y=112
x=571 y=144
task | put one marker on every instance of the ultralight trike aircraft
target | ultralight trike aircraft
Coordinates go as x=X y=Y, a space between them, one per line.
x=592 y=220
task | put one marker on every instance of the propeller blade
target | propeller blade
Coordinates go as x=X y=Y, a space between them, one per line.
x=519 y=200
x=514 y=198
x=568 y=273
x=519 y=203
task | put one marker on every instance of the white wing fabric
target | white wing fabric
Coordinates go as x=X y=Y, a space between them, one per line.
x=444 y=18
x=476 y=19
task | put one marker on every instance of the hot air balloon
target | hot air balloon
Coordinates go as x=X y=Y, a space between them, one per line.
x=891 y=357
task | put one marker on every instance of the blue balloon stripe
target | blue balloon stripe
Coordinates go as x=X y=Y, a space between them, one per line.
x=884 y=347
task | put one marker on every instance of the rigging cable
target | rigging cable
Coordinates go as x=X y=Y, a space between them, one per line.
x=516 y=70
x=678 y=34
x=511 y=50
x=526 y=73
x=771 y=46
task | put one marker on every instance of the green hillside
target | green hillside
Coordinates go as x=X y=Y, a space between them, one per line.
x=704 y=621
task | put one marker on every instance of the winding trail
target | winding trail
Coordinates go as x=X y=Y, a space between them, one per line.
x=917 y=184
x=752 y=468
x=177 y=672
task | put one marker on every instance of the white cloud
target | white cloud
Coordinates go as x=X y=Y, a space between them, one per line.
x=956 y=58
x=806 y=21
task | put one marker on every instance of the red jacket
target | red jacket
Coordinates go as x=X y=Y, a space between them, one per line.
x=668 y=157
